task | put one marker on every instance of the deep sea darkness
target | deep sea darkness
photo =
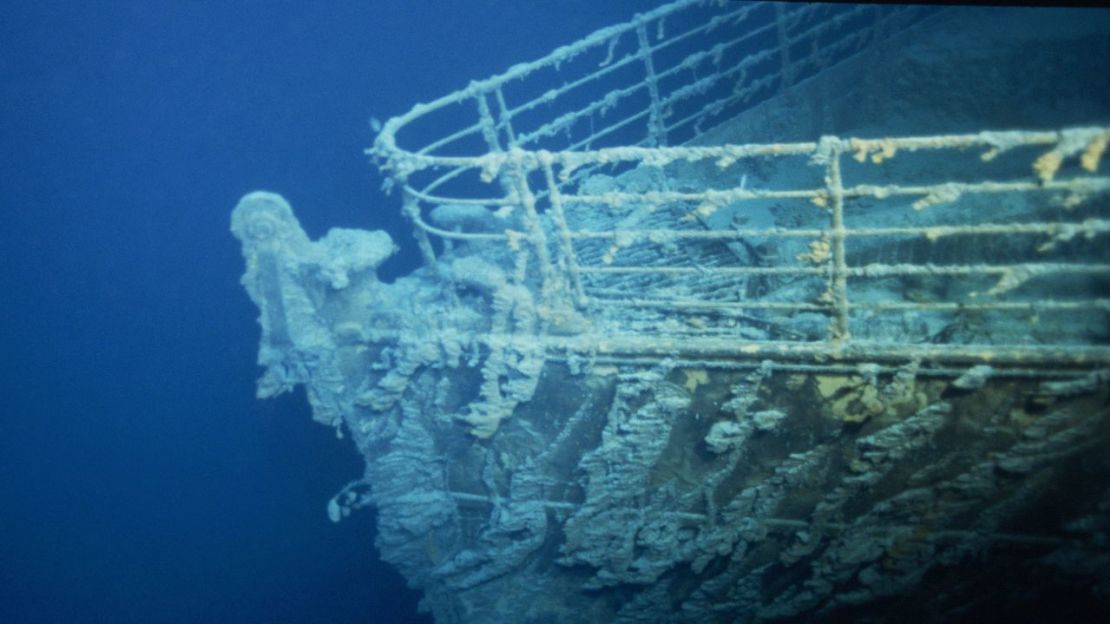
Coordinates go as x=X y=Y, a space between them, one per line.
x=140 y=480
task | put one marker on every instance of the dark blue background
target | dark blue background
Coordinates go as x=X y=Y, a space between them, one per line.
x=140 y=481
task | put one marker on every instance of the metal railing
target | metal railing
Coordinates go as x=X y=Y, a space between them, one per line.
x=618 y=100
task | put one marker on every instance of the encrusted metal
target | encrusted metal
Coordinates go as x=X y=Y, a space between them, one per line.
x=660 y=251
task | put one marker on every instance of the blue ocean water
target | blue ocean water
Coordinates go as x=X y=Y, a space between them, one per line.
x=140 y=480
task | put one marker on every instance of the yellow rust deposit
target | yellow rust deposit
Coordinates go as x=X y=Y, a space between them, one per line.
x=1091 y=156
x=849 y=398
x=694 y=377
x=854 y=399
x=943 y=195
x=1047 y=165
x=877 y=151
x=829 y=385
x=886 y=151
x=818 y=253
